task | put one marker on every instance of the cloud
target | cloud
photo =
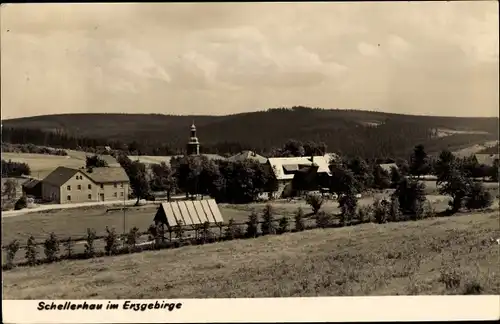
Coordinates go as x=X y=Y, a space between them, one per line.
x=368 y=49
x=226 y=58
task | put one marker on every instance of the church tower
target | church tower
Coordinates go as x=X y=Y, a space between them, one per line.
x=193 y=146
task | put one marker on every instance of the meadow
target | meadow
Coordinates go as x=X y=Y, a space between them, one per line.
x=42 y=165
x=452 y=255
x=74 y=222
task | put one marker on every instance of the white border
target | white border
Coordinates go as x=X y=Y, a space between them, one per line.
x=316 y=309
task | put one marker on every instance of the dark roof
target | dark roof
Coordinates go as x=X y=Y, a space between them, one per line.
x=60 y=176
x=31 y=183
x=107 y=175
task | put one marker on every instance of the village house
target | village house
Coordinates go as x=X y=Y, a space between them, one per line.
x=248 y=155
x=285 y=169
x=66 y=185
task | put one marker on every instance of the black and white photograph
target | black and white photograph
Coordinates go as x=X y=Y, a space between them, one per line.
x=249 y=150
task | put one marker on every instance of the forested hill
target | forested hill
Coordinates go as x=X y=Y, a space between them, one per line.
x=357 y=132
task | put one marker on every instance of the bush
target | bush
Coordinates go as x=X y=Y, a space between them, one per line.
x=283 y=225
x=299 y=220
x=111 y=240
x=381 y=211
x=347 y=203
x=409 y=192
x=315 y=201
x=31 y=252
x=51 y=247
x=152 y=232
x=68 y=247
x=323 y=220
x=89 y=243
x=233 y=231
x=394 y=211
x=252 y=224
x=364 y=214
x=132 y=237
x=12 y=249
x=478 y=197
x=267 y=225
x=21 y=203
x=206 y=234
x=428 y=210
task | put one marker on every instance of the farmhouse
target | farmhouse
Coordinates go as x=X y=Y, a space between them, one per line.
x=66 y=185
x=285 y=170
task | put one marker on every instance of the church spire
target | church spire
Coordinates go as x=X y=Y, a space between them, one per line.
x=193 y=146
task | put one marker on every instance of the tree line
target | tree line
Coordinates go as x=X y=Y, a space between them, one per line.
x=343 y=131
x=244 y=181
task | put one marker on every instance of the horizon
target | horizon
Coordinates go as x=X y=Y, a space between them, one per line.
x=413 y=58
x=245 y=112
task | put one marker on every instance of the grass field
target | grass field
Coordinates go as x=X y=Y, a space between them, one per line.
x=74 y=222
x=454 y=255
x=43 y=164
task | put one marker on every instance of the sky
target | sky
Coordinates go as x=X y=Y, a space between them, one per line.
x=428 y=58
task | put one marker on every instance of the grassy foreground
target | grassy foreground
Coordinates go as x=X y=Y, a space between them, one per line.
x=436 y=256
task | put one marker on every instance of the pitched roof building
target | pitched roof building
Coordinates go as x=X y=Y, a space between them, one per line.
x=248 y=155
x=285 y=169
x=67 y=185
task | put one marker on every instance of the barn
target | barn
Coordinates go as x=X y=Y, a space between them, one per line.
x=190 y=213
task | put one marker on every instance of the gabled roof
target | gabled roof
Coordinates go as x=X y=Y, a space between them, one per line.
x=188 y=212
x=60 y=176
x=31 y=183
x=487 y=159
x=248 y=155
x=280 y=165
x=107 y=175
x=388 y=166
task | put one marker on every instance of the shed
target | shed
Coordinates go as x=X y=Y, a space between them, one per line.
x=33 y=188
x=188 y=213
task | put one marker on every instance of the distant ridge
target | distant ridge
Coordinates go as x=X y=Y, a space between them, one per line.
x=345 y=130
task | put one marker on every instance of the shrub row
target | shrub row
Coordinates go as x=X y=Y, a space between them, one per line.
x=381 y=211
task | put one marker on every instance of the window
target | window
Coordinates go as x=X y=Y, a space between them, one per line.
x=79 y=187
x=89 y=186
x=115 y=194
x=121 y=185
x=102 y=186
x=121 y=194
x=68 y=198
x=90 y=196
x=68 y=187
x=114 y=185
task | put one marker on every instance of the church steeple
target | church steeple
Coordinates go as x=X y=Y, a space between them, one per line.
x=193 y=146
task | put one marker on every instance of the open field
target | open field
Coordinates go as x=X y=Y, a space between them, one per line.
x=43 y=164
x=397 y=258
x=476 y=148
x=74 y=222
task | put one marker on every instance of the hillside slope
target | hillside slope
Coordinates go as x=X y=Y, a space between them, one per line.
x=350 y=131
x=396 y=258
